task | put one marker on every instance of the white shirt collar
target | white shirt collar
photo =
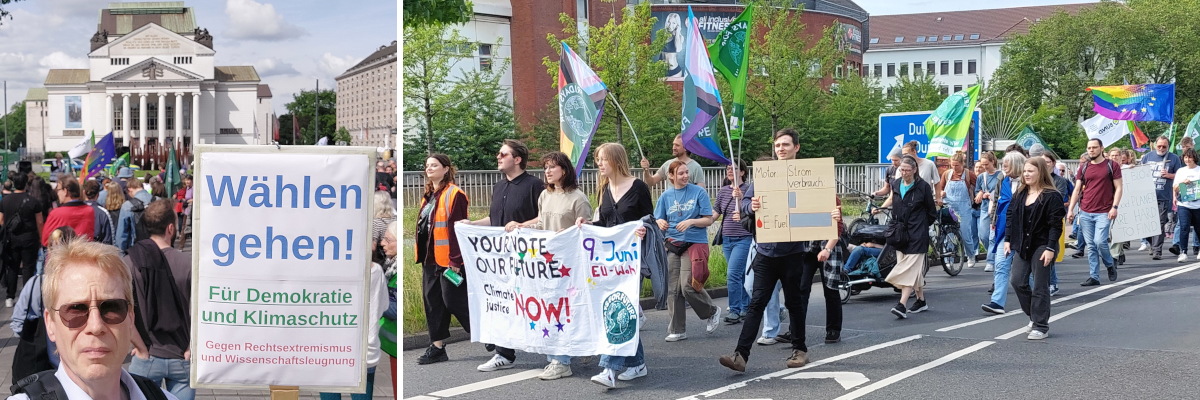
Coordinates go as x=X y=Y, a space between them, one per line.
x=74 y=392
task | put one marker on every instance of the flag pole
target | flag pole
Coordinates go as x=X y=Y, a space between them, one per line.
x=729 y=141
x=631 y=130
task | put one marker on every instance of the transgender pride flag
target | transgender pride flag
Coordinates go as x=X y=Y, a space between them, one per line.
x=701 y=100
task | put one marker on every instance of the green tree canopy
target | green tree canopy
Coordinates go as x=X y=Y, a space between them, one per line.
x=434 y=12
x=309 y=106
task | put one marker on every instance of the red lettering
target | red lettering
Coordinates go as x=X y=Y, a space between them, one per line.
x=555 y=310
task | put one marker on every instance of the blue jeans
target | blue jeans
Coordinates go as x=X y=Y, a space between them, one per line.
x=966 y=227
x=857 y=254
x=619 y=363
x=984 y=232
x=1187 y=222
x=356 y=396
x=1095 y=227
x=735 y=249
x=1001 y=274
x=1175 y=239
x=173 y=371
x=564 y=360
x=771 y=314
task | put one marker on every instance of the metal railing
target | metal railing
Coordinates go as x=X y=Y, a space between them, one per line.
x=478 y=184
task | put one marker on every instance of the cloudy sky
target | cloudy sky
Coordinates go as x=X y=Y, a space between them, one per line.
x=292 y=43
x=887 y=7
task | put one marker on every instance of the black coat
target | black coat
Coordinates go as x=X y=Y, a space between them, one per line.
x=1034 y=229
x=916 y=211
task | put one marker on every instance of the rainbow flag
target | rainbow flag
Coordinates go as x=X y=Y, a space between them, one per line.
x=581 y=96
x=701 y=100
x=1148 y=102
x=101 y=155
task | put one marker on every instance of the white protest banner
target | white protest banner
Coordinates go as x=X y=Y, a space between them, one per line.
x=1107 y=130
x=281 y=254
x=572 y=293
x=1137 y=217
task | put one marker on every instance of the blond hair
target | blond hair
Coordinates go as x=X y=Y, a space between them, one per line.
x=79 y=251
x=613 y=154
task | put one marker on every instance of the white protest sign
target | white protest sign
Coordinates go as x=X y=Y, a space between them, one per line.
x=281 y=251
x=1137 y=217
x=572 y=293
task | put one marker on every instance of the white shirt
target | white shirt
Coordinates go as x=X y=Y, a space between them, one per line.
x=74 y=392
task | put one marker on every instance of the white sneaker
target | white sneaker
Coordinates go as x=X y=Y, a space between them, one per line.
x=606 y=378
x=1182 y=258
x=498 y=362
x=714 y=321
x=1029 y=327
x=633 y=373
x=554 y=370
x=1197 y=256
x=971 y=263
x=989 y=268
x=767 y=341
x=1037 y=335
x=8 y=303
x=1144 y=247
x=675 y=337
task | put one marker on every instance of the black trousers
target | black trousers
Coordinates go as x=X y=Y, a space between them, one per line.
x=1156 y=242
x=796 y=272
x=18 y=259
x=1035 y=300
x=443 y=299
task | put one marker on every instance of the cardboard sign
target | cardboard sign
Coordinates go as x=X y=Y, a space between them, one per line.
x=1137 y=217
x=796 y=199
x=1189 y=191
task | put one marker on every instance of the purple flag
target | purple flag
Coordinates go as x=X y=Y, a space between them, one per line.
x=701 y=100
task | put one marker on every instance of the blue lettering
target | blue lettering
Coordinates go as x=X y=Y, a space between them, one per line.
x=260 y=197
x=224 y=190
x=323 y=240
x=302 y=243
x=218 y=197
x=251 y=242
x=325 y=192
x=271 y=238
x=225 y=251
x=280 y=187
x=226 y=246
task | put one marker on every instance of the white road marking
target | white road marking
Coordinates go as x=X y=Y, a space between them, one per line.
x=845 y=378
x=1103 y=300
x=1067 y=298
x=490 y=383
x=778 y=374
x=913 y=371
x=421 y=397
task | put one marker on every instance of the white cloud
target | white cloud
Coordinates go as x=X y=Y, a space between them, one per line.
x=273 y=67
x=332 y=65
x=252 y=20
x=59 y=59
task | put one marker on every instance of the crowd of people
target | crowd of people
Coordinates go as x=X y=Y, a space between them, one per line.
x=115 y=244
x=1015 y=211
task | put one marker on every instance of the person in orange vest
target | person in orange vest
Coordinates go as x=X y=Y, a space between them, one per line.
x=437 y=251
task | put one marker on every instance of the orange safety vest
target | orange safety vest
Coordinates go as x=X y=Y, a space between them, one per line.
x=442 y=225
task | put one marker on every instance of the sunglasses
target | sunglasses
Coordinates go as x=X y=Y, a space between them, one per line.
x=502 y=155
x=75 y=315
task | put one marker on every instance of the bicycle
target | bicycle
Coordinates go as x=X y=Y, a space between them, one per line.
x=946 y=248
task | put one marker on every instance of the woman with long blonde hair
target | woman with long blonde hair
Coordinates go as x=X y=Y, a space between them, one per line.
x=1034 y=225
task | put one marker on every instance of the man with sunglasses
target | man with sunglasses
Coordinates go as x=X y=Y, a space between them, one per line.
x=1164 y=164
x=89 y=316
x=514 y=198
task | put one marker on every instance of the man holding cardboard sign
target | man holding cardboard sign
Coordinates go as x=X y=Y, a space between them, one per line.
x=788 y=244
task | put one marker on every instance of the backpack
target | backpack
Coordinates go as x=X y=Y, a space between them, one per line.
x=31 y=354
x=139 y=229
x=45 y=386
x=8 y=232
x=1083 y=169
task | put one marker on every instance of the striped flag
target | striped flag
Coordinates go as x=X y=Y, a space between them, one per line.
x=101 y=155
x=581 y=96
x=701 y=100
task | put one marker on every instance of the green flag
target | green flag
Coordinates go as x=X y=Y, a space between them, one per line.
x=1030 y=141
x=1193 y=128
x=730 y=54
x=947 y=128
x=173 y=181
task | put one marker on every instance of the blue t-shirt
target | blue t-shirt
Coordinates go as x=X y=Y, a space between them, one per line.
x=1168 y=163
x=676 y=205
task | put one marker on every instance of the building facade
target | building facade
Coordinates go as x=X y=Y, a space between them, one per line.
x=366 y=99
x=152 y=80
x=958 y=48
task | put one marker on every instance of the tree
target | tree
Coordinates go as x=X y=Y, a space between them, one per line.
x=787 y=81
x=14 y=121
x=430 y=55
x=470 y=131
x=341 y=137
x=3 y=12
x=436 y=12
x=623 y=55
x=915 y=94
x=849 y=122
x=305 y=107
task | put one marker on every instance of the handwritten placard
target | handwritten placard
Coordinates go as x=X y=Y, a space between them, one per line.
x=1137 y=217
x=797 y=197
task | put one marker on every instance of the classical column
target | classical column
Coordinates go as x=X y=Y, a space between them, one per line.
x=125 y=119
x=178 y=117
x=108 y=111
x=162 y=119
x=142 y=117
x=195 y=118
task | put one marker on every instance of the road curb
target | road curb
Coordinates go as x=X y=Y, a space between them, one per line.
x=420 y=340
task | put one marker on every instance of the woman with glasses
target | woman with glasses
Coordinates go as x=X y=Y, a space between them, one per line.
x=913 y=211
x=437 y=251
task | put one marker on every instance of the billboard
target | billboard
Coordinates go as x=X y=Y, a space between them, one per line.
x=711 y=23
x=74 y=112
x=897 y=128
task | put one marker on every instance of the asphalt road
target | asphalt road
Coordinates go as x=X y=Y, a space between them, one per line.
x=1133 y=338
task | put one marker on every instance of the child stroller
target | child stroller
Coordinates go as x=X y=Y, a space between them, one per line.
x=871 y=270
